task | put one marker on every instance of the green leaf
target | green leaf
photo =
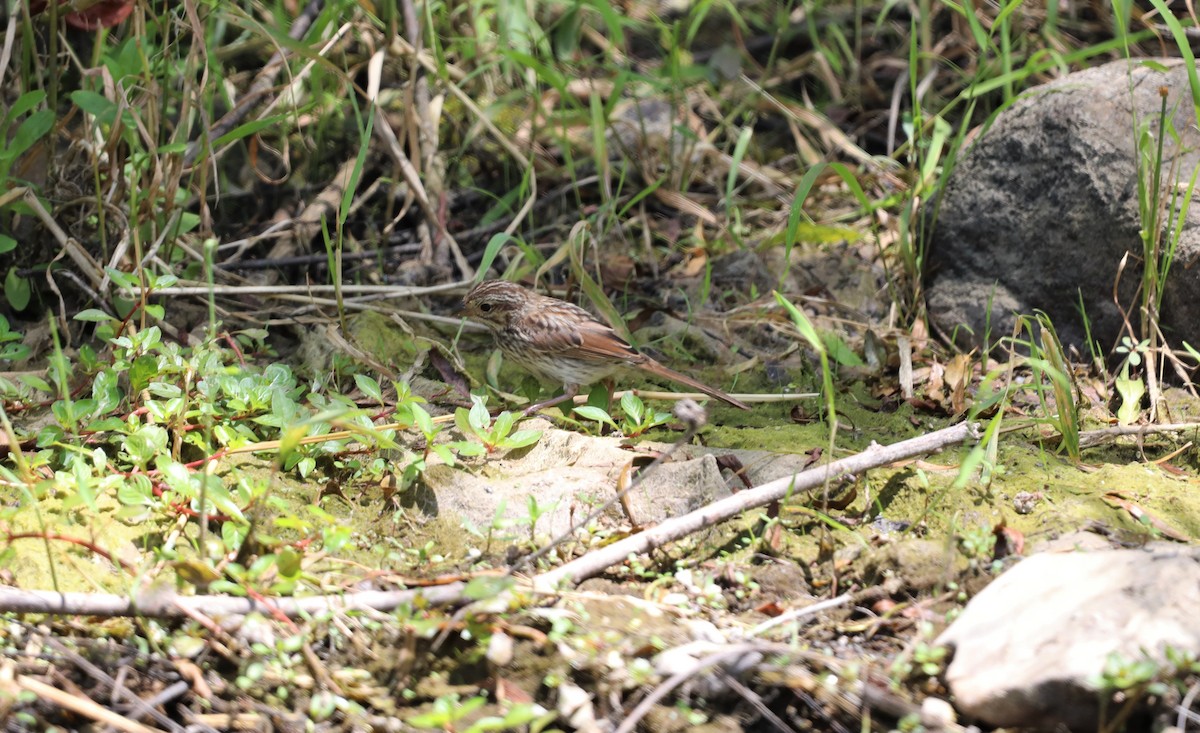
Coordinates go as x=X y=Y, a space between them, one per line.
x=546 y=73
x=250 y=128
x=805 y=326
x=487 y=586
x=839 y=351
x=591 y=412
x=106 y=392
x=31 y=129
x=494 y=245
x=143 y=369
x=7 y=243
x=15 y=352
x=145 y=444
x=108 y=425
x=288 y=561
x=479 y=418
x=468 y=449
x=368 y=386
x=462 y=421
x=1191 y=351
x=522 y=438
x=1131 y=390
x=126 y=280
x=24 y=103
x=220 y=497
x=503 y=425
x=131 y=494
x=305 y=466
x=739 y=152
x=35 y=382
x=446 y=453
x=97 y=105
x=633 y=407
x=1184 y=44
x=423 y=421
x=93 y=315
x=289 y=441
x=187 y=221
x=16 y=290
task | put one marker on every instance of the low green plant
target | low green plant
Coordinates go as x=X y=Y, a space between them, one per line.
x=1131 y=388
x=922 y=659
x=496 y=528
x=425 y=555
x=1051 y=370
x=1129 y=680
x=977 y=543
x=11 y=348
x=22 y=126
x=1122 y=674
x=536 y=512
x=492 y=435
x=637 y=418
x=447 y=712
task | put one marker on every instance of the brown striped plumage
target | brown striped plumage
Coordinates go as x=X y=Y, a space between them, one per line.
x=561 y=342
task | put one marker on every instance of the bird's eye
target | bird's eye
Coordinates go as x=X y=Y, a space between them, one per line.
x=485 y=307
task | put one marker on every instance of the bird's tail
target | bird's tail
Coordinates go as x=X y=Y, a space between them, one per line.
x=654 y=367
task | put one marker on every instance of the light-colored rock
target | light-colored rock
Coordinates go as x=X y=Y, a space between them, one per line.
x=1030 y=648
x=936 y=714
x=567 y=474
x=500 y=649
x=575 y=706
x=682 y=487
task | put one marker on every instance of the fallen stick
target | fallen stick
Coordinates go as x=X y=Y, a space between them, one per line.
x=169 y=605
x=1089 y=438
x=672 y=529
x=83 y=706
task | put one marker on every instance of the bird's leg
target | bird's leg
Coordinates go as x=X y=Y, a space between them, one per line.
x=568 y=394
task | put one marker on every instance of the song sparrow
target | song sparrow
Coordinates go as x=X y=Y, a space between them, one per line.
x=561 y=342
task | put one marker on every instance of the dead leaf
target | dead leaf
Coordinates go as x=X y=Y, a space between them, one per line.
x=1137 y=512
x=696 y=263
x=1009 y=541
x=509 y=692
x=770 y=608
x=733 y=463
x=102 y=14
x=814 y=455
x=617 y=271
x=936 y=383
x=451 y=376
x=958 y=377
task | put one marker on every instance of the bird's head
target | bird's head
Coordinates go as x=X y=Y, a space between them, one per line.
x=493 y=302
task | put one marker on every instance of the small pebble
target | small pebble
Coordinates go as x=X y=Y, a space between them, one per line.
x=936 y=714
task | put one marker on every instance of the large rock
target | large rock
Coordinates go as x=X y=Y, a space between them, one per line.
x=1043 y=208
x=566 y=474
x=1031 y=648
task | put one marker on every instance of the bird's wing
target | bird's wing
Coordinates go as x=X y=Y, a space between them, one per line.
x=586 y=338
x=602 y=342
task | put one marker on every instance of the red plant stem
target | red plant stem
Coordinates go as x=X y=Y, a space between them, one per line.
x=73 y=540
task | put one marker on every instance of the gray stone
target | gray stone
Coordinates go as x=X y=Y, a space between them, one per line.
x=1044 y=206
x=1030 y=649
